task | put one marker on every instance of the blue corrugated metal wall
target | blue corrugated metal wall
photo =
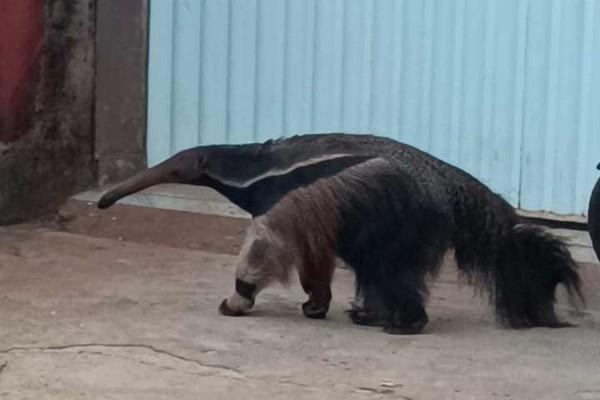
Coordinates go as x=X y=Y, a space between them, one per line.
x=506 y=89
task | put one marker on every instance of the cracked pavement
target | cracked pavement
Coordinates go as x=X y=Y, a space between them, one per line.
x=100 y=318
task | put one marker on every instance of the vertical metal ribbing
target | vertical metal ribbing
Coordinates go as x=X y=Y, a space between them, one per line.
x=518 y=111
x=394 y=123
x=160 y=75
x=585 y=165
x=228 y=92
x=365 y=66
x=551 y=104
x=200 y=86
x=489 y=86
x=457 y=80
x=426 y=75
x=485 y=150
x=284 y=69
x=256 y=72
x=172 y=78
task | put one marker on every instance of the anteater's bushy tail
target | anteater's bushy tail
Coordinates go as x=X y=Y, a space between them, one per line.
x=531 y=263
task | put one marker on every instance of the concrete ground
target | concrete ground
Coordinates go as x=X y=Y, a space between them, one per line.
x=100 y=306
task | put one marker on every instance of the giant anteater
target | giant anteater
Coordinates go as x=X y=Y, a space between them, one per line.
x=387 y=210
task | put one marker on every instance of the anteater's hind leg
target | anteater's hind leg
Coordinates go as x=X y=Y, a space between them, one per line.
x=391 y=288
x=390 y=295
x=262 y=259
x=406 y=303
x=368 y=308
x=394 y=301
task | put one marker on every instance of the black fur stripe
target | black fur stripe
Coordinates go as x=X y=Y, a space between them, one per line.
x=244 y=289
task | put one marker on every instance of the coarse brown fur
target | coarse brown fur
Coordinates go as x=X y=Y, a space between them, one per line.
x=307 y=220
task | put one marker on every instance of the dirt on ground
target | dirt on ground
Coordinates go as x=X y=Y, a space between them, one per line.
x=84 y=317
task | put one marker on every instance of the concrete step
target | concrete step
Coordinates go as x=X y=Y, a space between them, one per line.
x=193 y=199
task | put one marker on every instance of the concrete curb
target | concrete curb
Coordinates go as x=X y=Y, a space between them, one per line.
x=176 y=198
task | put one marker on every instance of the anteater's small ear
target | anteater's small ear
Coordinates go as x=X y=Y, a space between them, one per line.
x=598 y=166
x=200 y=163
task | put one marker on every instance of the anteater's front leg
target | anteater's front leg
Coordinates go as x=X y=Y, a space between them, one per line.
x=252 y=275
x=316 y=282
x=262 y=259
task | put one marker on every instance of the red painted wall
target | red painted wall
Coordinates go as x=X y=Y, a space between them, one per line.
x=20 y=48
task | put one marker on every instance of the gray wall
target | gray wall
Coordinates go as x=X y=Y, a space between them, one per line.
x=88 y=113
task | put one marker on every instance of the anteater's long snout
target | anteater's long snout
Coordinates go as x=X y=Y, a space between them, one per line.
x=107 y=200
x=180 y=168
x=140 y=181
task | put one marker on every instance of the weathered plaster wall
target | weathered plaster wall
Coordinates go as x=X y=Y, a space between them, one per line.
x=46 y=131
x=121 y=57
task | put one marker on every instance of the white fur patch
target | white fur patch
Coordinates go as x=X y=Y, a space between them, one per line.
x=281 y=172
x=235 y=302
